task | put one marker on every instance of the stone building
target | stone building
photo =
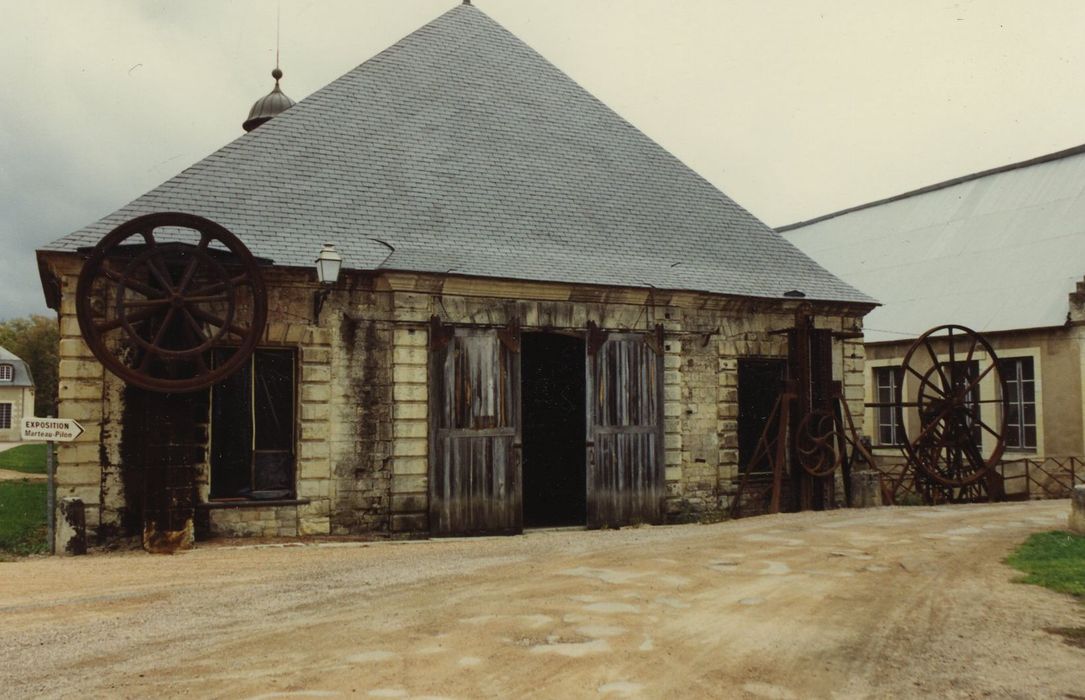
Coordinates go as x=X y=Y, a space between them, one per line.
x=16 y=395
x=1001 y=252
x=543 y=317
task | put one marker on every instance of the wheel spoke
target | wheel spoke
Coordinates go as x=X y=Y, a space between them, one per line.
x=161 y=275
x=134 y=317
x=199 y=313
x=924 y=380
x=199 y=336
x=190 y=270
x=129 y=283
x=217 y=287
x=972 y=350
x=188 y=274
x=156 y=342
x=975 y=382
x=979 y=421
x=206 y=300
x=937 y=364
x=142 y=303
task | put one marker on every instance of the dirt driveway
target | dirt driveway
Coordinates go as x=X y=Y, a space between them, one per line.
x=894 y=602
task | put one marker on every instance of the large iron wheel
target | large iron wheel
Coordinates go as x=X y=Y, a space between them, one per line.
x=159 y=291
x=949 y=363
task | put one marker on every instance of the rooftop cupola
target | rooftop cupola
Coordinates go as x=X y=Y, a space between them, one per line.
x=268 y=106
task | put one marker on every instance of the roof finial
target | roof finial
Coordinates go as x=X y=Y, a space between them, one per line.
x=274 y=102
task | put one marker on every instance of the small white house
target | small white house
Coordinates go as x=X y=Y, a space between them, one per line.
x=16 y=395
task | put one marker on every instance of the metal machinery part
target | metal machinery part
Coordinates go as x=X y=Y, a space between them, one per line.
x=805 y=439
x=818 y=442
x=947 y=420
x=944 y=450
x=158 y=291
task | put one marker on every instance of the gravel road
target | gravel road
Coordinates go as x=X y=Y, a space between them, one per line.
x=891 y=602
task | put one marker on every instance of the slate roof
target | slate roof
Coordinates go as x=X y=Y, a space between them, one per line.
x=468 y=153
x=22 y=375
x=995 y=251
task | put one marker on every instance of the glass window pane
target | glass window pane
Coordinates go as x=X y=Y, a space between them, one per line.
x=1030 y=437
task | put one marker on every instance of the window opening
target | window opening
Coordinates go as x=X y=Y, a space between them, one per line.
x=5 y=416
x=252 y=427
x=760 y=383
x=889 y=418
x=7 y=373
x=1018 y=373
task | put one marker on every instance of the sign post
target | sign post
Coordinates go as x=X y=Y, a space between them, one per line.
x=52 y=431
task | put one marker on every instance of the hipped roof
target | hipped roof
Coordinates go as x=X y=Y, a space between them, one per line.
x=21 y=375
x=461 y=150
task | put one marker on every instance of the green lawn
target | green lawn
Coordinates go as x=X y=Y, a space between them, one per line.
x=1055 y=560
x=24 y=458
x=22 y=517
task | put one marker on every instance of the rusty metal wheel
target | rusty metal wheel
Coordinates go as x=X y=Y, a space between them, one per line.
x=950 y=363
x=818 y=443
x=159 y=291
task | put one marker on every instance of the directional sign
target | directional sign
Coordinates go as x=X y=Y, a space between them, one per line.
x=55 y=429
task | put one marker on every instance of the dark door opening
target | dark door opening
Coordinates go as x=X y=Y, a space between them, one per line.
x=554 y=472
x=759 y=385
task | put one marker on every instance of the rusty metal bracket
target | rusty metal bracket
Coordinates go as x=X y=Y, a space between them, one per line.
x=596 y=337
x=440 y=335
x=655 y=341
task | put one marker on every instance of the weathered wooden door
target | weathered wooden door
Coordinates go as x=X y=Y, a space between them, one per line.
x=625 y=428
x=474 y=473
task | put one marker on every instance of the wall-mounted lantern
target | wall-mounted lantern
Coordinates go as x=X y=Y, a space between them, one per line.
x=328 y=263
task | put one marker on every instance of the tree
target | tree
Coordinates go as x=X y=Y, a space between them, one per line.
x=35 y=339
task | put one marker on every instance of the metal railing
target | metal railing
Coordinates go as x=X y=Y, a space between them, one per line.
x=1050 y=477
x=1022 y=478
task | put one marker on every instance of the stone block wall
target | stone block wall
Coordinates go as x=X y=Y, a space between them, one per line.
x=363 y=403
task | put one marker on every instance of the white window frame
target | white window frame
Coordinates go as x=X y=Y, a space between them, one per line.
x=1038 y=386
x=7 y=372
x=895 y=418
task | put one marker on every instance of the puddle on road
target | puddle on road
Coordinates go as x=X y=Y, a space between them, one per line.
x=573 y=649
x=623 y=689
x=611 y=608
x=371 y=656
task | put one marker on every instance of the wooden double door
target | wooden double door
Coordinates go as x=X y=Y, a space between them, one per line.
x=475 y=457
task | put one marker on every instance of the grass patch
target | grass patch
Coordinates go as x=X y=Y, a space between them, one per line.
x=22 y=517
x=1054 y=560
x=24 y=458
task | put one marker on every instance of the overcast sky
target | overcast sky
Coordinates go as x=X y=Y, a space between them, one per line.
x=794 y=108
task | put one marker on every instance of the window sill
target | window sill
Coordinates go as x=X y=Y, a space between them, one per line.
x=223 y=505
